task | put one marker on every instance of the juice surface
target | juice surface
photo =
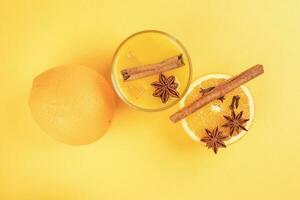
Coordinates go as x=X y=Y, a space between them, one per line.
x=147 y=48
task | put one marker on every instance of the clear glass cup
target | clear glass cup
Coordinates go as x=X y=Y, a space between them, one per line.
x=148 y=47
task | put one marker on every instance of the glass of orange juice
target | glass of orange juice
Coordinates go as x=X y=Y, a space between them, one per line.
x=157 y=91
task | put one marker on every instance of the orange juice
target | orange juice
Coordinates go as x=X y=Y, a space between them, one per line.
x=143 y=48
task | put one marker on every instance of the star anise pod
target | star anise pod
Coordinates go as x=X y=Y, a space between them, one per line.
x=165 y=87
x=206 y=90
x=235 y=122
x=214 y=139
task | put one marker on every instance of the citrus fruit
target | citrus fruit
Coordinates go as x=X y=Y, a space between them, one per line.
x=218 y=112
x=72 y=103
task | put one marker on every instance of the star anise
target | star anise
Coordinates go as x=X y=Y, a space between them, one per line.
x=206 y=90
x=235 y=122
x=165 y=87
x=214 y=139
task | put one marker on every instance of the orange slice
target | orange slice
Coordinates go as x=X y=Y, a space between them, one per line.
x=212 y=115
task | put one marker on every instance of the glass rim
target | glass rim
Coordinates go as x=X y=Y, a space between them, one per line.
x=115 y=84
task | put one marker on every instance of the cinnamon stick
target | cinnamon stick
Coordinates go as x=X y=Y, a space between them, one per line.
x=218 y=91
x=156 y=68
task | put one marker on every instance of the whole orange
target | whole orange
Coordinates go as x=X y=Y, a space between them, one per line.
x=72 y=103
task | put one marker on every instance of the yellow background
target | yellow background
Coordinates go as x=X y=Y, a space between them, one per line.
x=144 y=155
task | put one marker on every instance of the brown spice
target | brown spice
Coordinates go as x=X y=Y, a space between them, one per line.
x=219 y=91
x=234 y=102
x=235 y=122
x=165 y=87
x=214 y=139
x=206 y=90
x=151 y=69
